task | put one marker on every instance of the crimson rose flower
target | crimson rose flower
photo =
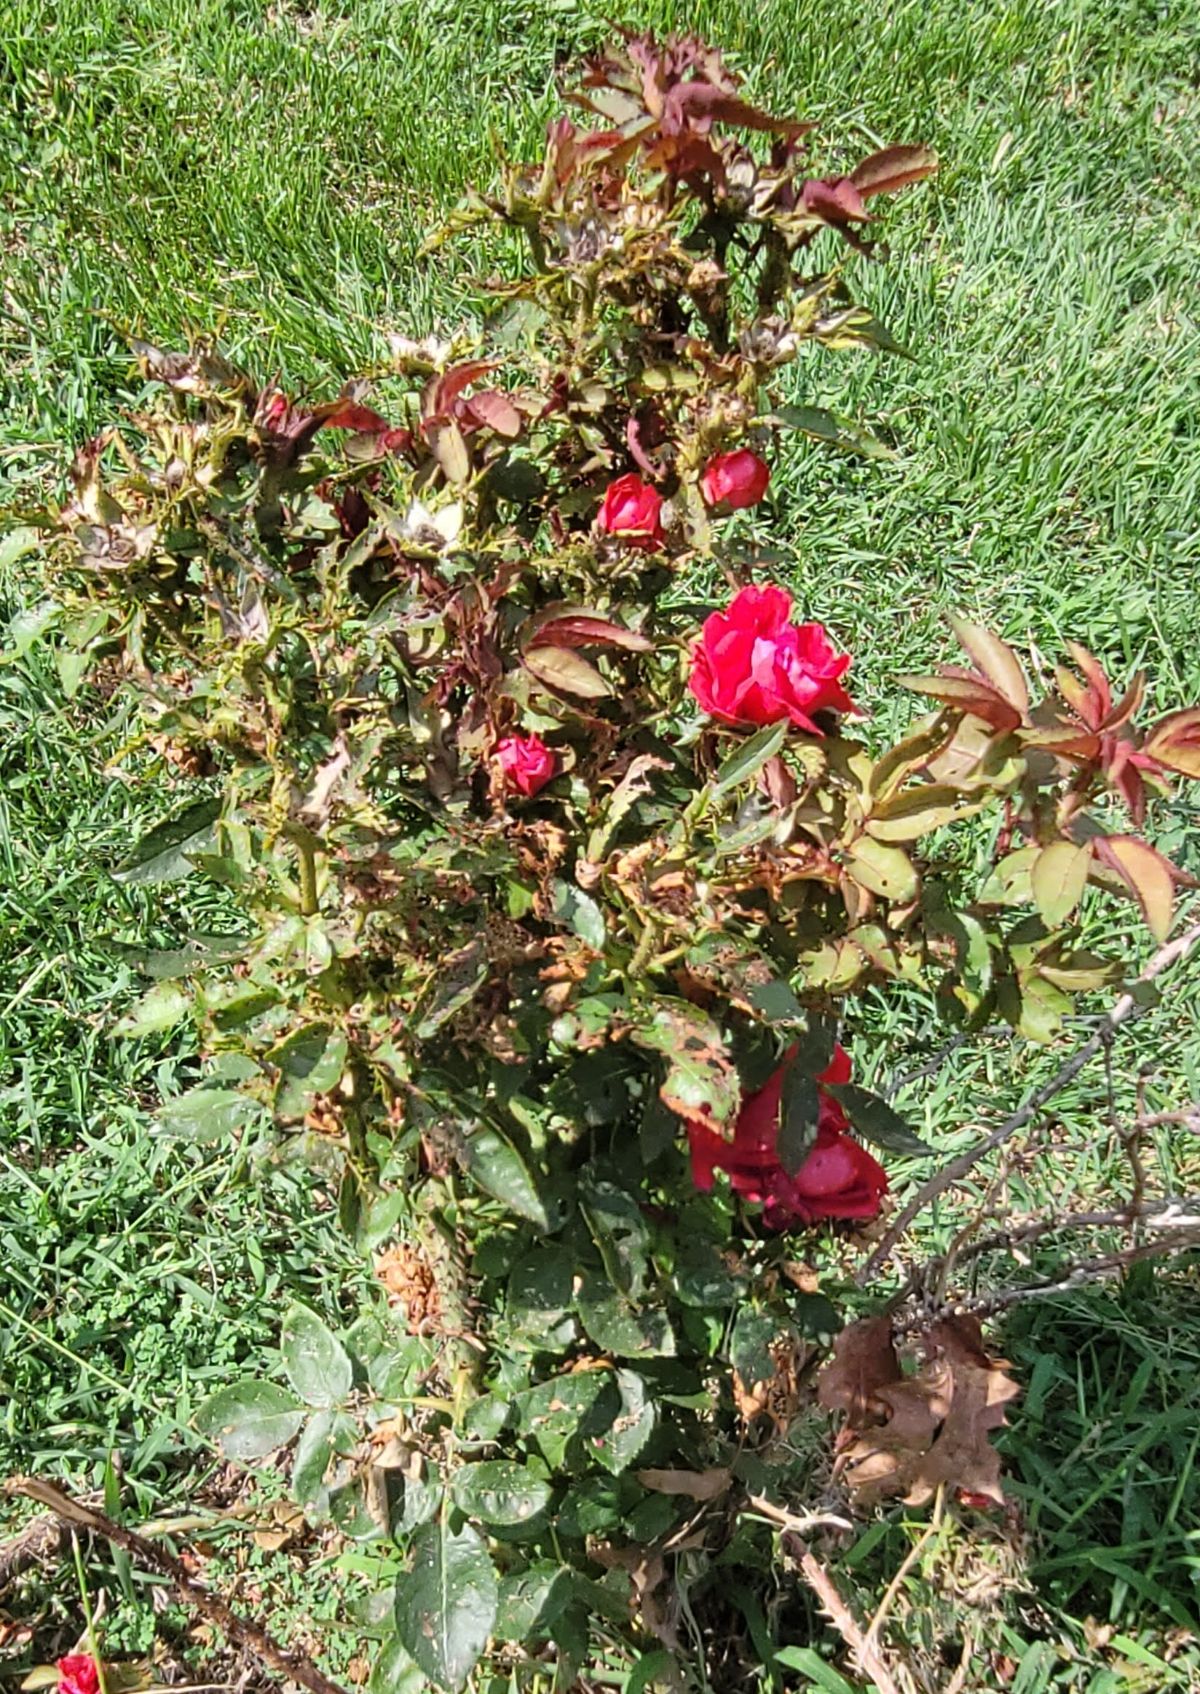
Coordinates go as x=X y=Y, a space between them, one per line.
x=751 y=666
x=734 y=480
x=77 y=1674
x=838 y=1179
x=632 y=511
x=527 y=763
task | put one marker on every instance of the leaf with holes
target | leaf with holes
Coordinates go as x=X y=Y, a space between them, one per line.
x=500 y=1492
x=250 y=1419
x=446 y=1605
x=317 y=1365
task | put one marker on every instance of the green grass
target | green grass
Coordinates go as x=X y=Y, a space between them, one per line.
x=271 y=171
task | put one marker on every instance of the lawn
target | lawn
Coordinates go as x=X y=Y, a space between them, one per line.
x=270 y=172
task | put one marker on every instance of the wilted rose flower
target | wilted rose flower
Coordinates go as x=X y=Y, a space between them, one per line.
x=734 y=480
x=528 y=764
x=77 y=1674
x=632 y=511
x=838 y=1179
x=751 y=666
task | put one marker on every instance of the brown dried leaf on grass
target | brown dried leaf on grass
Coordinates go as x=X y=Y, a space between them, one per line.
x=909 y=1435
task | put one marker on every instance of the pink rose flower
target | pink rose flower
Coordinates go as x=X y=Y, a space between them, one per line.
x=734 y=480
x=78 y=1674
x=528 y=764
x=838 y=1179
x=752 y=666
x=632 y=511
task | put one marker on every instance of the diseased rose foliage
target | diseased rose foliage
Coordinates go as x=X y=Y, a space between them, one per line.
x=553 y=895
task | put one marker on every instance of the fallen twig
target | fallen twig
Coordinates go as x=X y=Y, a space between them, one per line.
x=1126 y=1010
x=865 y=1654
x=243 y=1632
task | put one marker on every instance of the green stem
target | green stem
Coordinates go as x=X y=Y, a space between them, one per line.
x=308 y=878
x=93 y=1644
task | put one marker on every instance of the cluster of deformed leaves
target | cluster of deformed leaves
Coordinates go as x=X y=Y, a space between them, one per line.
x=513 y=914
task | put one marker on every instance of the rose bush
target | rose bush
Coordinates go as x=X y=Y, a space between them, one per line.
x=518 y=1042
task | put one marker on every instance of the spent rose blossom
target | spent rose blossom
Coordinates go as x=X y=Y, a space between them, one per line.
x=752 y=666
x=838 y=1179
x=734 y=480
x=78 y=1674
x=528 y=764
x=632 y=511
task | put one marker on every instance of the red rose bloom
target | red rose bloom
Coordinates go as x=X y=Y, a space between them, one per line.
x=751 y=666
x=632 y=511
x=734 y=480
x=527 y=763
x=77 y=1674
x=838 y=1179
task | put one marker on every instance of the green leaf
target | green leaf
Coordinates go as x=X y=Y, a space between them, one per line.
x=163 y=855
x=324 y=1436
x=446 y=1605
x=873 y=1117
x=250 y=1418
x=621 y=1234
x=618 y=1327
x=395 y=1671
x=749 y=758
x=632 y=1427
x=826 y=426
x=162 y=1007
x=750 y=1345
x=540 y=1291
x=205 y=1114
x=918 y=811
x=310 y=1062
x=1011 y=883
x=1058 y=878
x=529 y=1601
x=500 y=1492
x=810 y=1664
x=566 y=1411
x=775 y=1002
x=495 y=1165
x=579 y=912
x=882 y=868
x=317 y=1365
x=463 y=974
x=800 y=1104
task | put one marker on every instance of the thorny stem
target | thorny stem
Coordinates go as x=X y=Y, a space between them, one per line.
x=1126 y=1010
x=88 y=1615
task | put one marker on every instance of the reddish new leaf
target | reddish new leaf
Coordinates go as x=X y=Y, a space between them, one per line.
x=585 y=630
x=494 y=408
x=1148 y=876
x=995 y=661
x=962 y=689
x=893 y=168
x=1175 y=742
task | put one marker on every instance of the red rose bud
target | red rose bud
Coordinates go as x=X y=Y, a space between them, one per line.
x=78 y=1674
x=632 y=511
x=528 y=764
x=734 y=480
x=838 y=1179
x=751 y=666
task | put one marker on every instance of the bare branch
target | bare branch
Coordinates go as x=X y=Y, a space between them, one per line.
x=1126 y=1010
x=241 y=1631
x=866 y=1656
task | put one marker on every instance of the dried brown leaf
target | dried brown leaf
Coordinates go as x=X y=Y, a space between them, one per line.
x=864 y=1361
